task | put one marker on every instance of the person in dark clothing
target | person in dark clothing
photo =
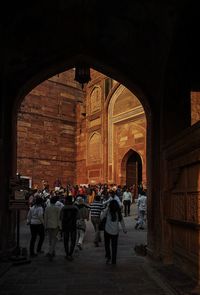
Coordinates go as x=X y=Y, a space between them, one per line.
x=69 y=215
x=140 y=188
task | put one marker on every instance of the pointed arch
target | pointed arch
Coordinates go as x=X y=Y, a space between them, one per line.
x=131 y=168
x=126 y=127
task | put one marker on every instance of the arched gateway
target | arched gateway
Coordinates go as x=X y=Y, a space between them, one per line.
x=151 y=50
x=131 y=169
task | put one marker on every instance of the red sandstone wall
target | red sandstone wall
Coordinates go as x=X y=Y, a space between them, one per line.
x=92 y=137
x=90 y=170
x=46 y=131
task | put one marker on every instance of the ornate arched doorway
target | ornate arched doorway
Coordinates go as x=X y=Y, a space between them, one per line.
x=126 y=132
x=131 y=169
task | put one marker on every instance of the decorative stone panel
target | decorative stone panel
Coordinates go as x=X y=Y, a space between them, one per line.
x=94 y=174
x=95 y=122
x=95 y=148
x=125 y=102
x=95 y=100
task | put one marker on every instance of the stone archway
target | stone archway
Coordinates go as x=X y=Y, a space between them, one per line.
x=131 y=168
x=123 y=52
x=18 y=98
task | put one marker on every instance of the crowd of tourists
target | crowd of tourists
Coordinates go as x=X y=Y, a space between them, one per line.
x=63 y=213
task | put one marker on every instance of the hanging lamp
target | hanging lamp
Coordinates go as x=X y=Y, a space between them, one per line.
x=82 y=74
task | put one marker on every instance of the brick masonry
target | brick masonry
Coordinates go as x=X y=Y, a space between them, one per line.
x=82 y=142
x=46 y=131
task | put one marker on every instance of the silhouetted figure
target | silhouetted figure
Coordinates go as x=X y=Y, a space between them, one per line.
x=69 y=215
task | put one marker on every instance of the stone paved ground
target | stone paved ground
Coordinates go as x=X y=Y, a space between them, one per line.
x=88 y=273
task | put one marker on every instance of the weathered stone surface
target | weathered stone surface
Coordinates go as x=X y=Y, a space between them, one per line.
x=46 y=131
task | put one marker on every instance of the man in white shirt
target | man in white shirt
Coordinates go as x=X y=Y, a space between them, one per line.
x=127 y=200
x=142 y=207
x=36 y=221
x=52 y=225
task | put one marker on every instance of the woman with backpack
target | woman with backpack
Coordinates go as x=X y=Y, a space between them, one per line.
x=113 y=217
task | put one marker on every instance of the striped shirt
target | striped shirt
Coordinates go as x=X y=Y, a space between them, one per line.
x=95 y=208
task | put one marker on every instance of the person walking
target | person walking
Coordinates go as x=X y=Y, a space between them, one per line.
x=140 y=189
x=113 y=218
x=142 y=207
x=35 y=219
x=112 y=196
x=69 y=215
x=95 y=211
x=52 y=225
x=127 y=200
x=119 y=192
x=81 y=224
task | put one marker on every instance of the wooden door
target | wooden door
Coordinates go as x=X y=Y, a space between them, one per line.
x=131 y=173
